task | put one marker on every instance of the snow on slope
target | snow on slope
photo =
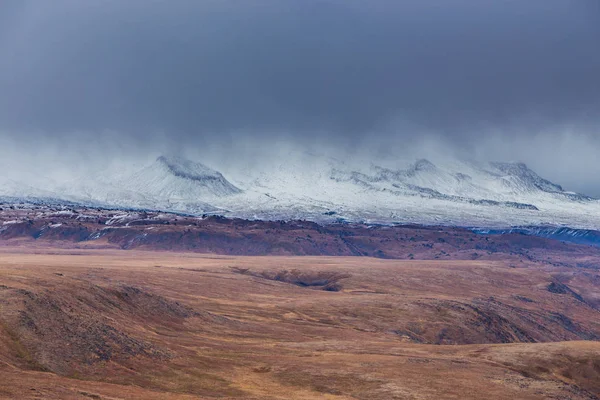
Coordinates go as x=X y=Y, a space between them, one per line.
x=179 y=179
x=24 y=184
x=168 y=183
x=316 y=187
x=461 y=193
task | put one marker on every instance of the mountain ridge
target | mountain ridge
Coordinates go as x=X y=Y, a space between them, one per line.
x=322 y=189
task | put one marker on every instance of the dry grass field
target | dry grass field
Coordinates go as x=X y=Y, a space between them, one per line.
x=114 y=324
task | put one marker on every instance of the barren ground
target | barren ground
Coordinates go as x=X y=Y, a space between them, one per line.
x=115 y=324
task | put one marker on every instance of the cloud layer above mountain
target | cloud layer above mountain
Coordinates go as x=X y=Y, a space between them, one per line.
x=501 y=79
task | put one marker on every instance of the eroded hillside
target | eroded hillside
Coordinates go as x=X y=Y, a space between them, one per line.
x=107 y=323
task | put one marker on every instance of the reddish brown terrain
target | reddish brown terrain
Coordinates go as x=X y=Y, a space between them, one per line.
x=98 y=228
x=90 y=309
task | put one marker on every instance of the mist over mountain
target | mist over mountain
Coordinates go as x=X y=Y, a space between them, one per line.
x=89 y=86
x=316 y=187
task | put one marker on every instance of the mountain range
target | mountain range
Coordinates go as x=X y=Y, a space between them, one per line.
x=324 y=189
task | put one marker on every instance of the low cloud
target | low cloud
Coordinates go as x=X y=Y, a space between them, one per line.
x=97 y=81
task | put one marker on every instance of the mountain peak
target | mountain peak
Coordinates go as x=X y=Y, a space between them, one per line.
x=180 y=178
x=521 y=171
x=511 y=167
x=187 y=169
x=423 y=165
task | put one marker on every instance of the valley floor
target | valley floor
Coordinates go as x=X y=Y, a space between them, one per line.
x=116 y=324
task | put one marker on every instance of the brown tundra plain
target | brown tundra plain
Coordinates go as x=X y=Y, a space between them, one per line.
x=440 y=314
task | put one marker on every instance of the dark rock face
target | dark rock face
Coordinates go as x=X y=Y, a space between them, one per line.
x=526 y=176
x=200 y=173
x=561 y=288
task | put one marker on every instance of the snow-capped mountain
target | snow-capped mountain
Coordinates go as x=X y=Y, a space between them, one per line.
x=320 y=188
x=168 y=183
x=178 y=179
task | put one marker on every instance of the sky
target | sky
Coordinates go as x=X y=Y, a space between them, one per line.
x=90 y=81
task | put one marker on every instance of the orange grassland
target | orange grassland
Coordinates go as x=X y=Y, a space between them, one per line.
x=114 y=324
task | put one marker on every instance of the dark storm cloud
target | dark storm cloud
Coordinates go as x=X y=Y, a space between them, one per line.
x=341 y=66
x=502 y=78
